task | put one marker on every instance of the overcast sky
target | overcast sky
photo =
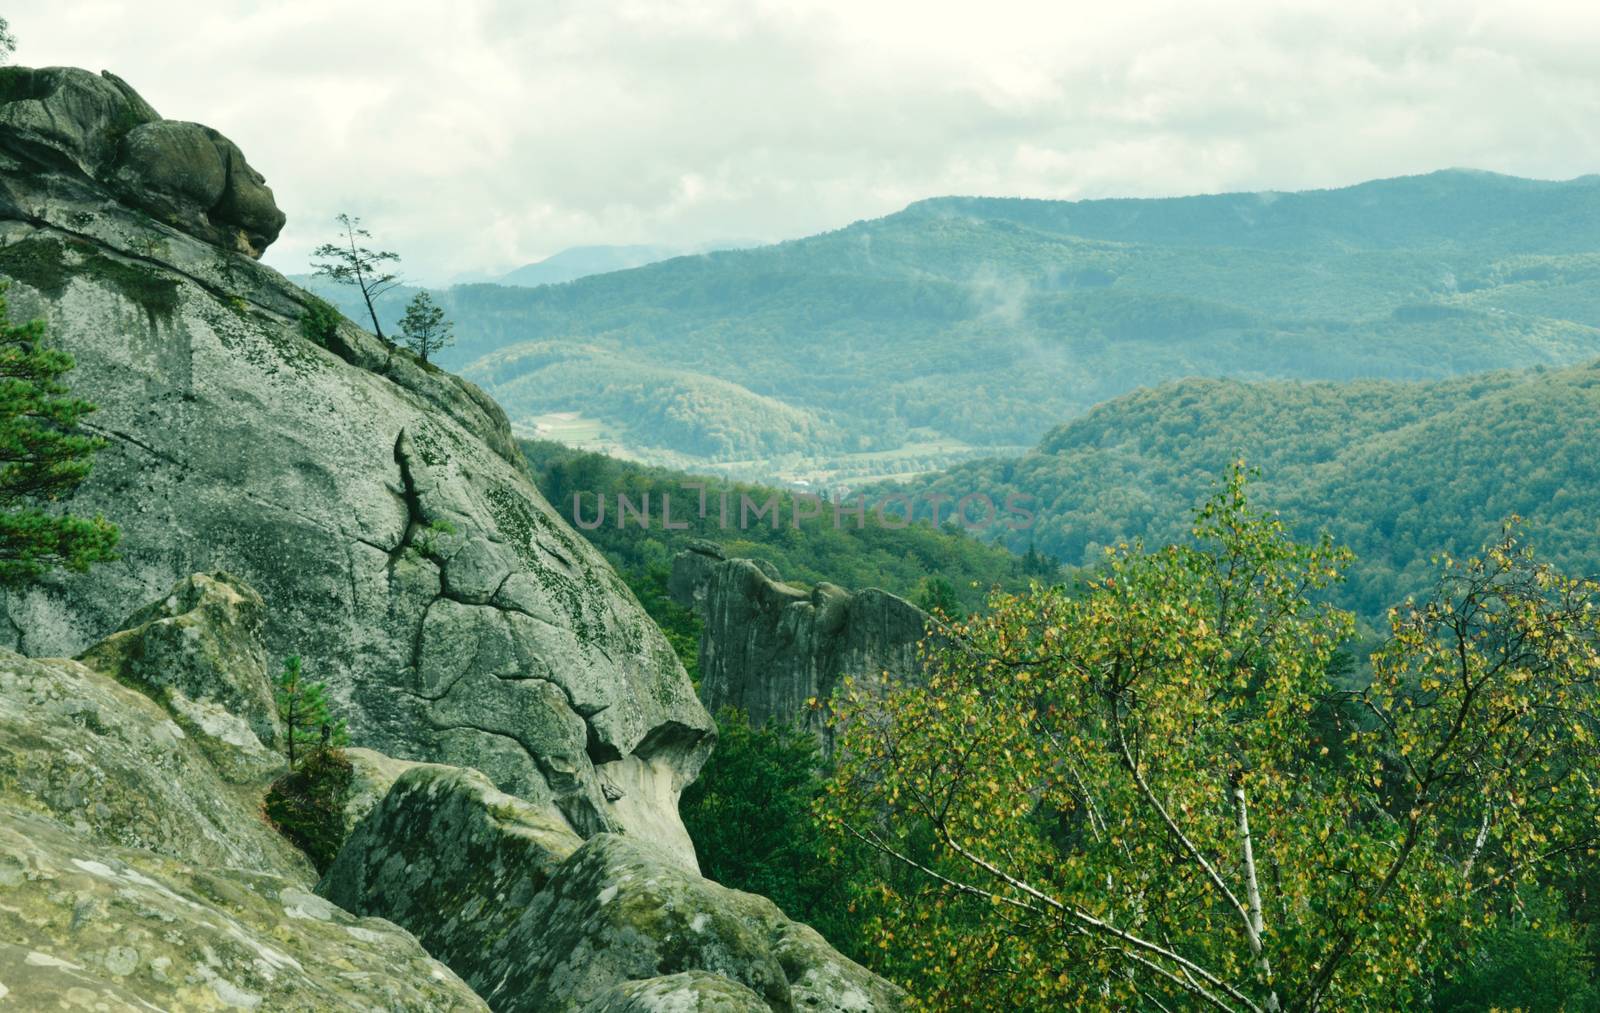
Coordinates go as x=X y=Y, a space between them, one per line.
x=505 y=130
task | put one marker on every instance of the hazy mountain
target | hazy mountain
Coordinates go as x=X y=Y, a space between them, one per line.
x=964 y=323
x=582 y=261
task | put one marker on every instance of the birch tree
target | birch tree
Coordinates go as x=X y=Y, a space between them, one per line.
x=1151 y=794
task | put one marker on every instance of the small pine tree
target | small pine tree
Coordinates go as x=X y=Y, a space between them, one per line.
x=303 y=706
x=425 y=328
x=43 y=458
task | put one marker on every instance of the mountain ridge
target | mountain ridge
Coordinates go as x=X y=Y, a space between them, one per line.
x=914 y=340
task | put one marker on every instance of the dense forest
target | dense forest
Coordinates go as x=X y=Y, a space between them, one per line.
x=1041 y=825
x=935 y=567
x=1395 y=471
x=988 y=321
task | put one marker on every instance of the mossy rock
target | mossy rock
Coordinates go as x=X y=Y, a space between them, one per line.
x=49 y=265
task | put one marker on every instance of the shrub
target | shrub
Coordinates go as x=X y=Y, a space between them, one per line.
x=306 y=805
x=319 y=324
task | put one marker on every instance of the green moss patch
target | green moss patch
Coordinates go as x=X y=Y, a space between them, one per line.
x=48 y=266
x=319 y=324
x=37 y=263
x=155 y=292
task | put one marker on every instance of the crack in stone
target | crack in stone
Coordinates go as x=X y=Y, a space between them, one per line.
x=576 y=805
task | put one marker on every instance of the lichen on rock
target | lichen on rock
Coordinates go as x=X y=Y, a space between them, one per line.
x=87 y=925
x=135 y=875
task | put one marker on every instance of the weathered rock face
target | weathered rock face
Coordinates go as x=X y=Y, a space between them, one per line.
x=536 y=919
x=113 y=764
x=378 y=505
x=768 y=648
x=136 y=870
x=685 y=992
x=184 y=174
x=201 y=644
x=85 y=925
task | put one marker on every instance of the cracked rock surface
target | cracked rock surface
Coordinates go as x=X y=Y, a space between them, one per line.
x=378 y=505
x=768 y=648
x=136 y=869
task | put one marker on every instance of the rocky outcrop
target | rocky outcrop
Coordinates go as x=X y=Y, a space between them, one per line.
x=136 y=870
x=183 y=174
x=200 y=647
x=537 y=919
x=377 y=504
x=685 y=992
x=284 y=488
x=86 y=925
x=770 y=649
x=112 y=763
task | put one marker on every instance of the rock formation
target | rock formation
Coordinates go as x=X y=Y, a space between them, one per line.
x=136 y=871
x=768 y=648
x=377 y=504
x=539 y=921
x=186 y=175
x=283 y=488
x=135 y=866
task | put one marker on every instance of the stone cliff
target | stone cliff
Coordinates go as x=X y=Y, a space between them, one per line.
x=137 y=870
x=376 y=503
x=768 y=648
x=523 y=729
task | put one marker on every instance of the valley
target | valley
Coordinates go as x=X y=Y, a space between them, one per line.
x=967 y=327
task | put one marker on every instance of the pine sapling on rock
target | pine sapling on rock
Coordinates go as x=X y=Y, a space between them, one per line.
x=303 y=707
x=425 y=328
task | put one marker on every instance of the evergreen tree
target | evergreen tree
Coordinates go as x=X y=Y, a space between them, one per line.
x=303 y=706
x=43 y=458
x=938 y=595
x=349 y=263
x=425 y=328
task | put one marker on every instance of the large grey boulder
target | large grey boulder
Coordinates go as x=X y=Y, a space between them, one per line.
x=201 y=644
x=114 y=765
x=771 y=649
x=536 y=919
x=193 y=178
x=684 y=992
x=378 y=505
x=184 y=174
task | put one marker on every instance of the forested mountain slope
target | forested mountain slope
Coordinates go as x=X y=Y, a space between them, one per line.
x=1396 y=471
x=964 y=322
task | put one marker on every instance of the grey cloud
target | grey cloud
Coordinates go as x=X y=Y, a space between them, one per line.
x=492 y=132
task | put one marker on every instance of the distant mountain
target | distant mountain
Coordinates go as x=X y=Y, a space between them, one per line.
x=582 y=261
x=1396 y=471
x=963 y=323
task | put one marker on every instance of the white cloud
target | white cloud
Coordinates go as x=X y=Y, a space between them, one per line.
x=488 y=133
